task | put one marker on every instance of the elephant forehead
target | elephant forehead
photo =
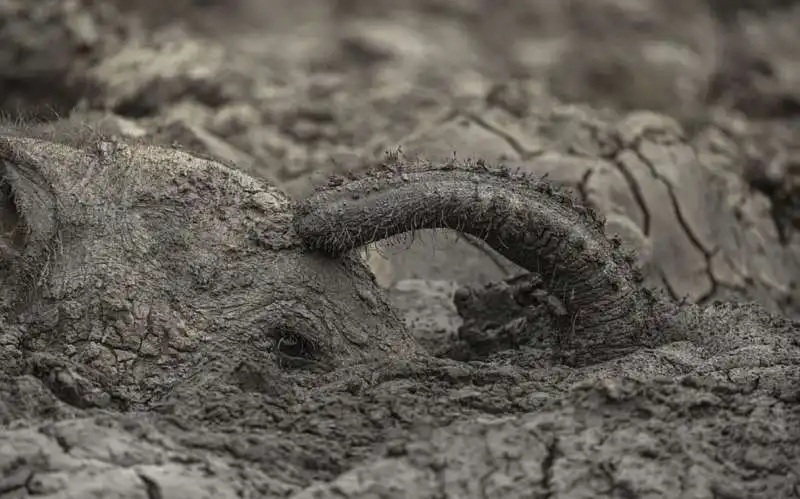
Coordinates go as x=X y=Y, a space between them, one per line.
x=152 y=256
x=141 y=221
x=137 y=175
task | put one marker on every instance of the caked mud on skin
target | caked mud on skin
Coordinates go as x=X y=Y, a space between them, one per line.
x=528 y=220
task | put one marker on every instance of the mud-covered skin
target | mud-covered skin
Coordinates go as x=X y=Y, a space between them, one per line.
x=145 y=267
x=526 y=219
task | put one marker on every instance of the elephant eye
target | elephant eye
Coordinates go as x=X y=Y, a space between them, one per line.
x=294 y=350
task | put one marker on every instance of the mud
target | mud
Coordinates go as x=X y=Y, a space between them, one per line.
x=167 y=370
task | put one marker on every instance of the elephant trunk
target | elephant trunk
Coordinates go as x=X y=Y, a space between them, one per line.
x=528 y=220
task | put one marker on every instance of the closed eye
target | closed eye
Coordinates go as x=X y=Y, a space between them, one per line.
x=295 y=350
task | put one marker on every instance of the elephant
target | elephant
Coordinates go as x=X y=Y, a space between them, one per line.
x=173 y=326
x=180 y=316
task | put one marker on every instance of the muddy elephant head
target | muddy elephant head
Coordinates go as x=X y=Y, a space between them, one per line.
x=145 y=266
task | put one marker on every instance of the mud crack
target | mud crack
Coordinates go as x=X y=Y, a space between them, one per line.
x=708 y=254
x=512 y=141
x=638 y=195
x=151 y=486
x=547 y=467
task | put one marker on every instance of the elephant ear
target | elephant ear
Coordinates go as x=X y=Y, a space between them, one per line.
x=27 y=205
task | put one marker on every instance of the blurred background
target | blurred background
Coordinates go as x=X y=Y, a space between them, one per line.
x=675 y=56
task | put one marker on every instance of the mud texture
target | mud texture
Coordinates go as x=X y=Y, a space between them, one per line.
x=145 y=280
x=167 y=330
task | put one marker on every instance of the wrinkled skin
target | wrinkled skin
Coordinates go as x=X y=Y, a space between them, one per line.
x=148 y=266
x=606 y=309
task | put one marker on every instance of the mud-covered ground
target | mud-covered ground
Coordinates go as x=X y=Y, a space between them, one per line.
x=678 y=121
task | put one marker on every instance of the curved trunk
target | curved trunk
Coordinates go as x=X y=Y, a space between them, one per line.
x=528 y=220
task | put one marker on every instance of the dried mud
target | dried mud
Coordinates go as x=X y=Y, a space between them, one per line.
x=206 y=362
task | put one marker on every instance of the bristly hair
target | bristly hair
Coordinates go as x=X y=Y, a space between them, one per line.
x=30 y=202
x=77 y=130
x=530 y=220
